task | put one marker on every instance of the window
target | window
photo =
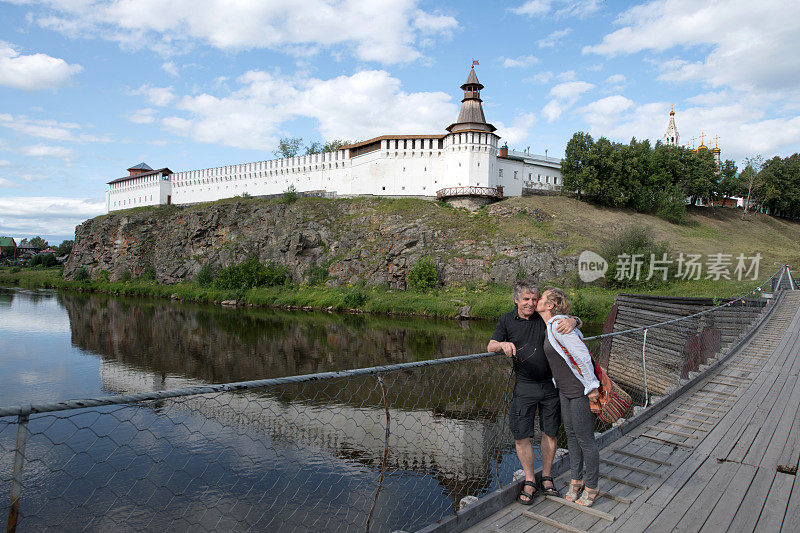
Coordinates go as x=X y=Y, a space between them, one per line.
x=515 y=174
x=500 y=172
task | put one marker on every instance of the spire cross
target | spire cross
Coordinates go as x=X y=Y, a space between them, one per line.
x=693 y=140
x=702 y=138
x=716 y=141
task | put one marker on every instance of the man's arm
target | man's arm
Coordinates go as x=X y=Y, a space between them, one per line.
x=566 y=325
x=507 y=348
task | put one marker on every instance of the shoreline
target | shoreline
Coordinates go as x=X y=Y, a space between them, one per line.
x=486 y=301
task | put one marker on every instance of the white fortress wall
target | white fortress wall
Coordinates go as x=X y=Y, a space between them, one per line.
x=136 y=192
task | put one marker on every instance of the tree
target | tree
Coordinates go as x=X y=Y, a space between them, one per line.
x=65 y=248
x=577 y=168
x=288 y=147
x=728 y=184
x=750 y=175
x=38 y=242
x=332 y=146
x=314 y=148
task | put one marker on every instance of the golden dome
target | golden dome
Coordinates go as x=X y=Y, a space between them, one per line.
x=702 y=147
x=715 y=150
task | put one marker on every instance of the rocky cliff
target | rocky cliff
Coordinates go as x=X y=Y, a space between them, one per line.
x=372 y=240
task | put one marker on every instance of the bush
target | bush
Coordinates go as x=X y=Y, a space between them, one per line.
x=290 y=195
x=148 y=275
x=636 y=240
x=424 y=276
x=355 y=298
x=45 y=260
x=317 y=275
x=15 y=269
x=81 y=275
x=125 y=277
x=206 y=275
x=251 y=273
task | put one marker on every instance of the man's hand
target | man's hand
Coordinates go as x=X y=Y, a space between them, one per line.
x=507 y=348
x=566 y=325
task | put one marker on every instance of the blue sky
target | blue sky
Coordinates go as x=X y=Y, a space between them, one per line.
x=90 y=87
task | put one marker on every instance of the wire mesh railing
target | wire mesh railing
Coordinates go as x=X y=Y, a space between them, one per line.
x=385 y=448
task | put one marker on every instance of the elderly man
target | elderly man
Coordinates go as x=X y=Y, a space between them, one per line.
x=520 y=334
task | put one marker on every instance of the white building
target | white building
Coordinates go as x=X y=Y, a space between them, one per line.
x=467 y=155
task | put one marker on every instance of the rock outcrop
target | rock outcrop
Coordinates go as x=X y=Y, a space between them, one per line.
x=369 y=240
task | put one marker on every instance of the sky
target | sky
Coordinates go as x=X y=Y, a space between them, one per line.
x=91 y=87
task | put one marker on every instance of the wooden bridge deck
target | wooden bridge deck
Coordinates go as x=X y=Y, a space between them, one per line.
x=721 y=457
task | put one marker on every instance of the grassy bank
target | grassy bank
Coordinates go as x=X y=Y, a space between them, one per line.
x=487 y=300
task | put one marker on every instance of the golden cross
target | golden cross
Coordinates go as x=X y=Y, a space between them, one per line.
x=702 y=137
x=716 y=141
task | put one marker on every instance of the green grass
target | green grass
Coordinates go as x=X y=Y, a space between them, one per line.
x=487 y=300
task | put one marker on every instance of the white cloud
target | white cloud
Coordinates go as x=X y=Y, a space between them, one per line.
x=252 y=115
x=170 y=68
x=43 y=150
x=559 y=8
x=606 y=110
x=552 y=110
x=569 y=75
x=615 y=83
x=37 y=215
x=741 y=48
x=47 y=129
x=4 y=163
x=519 y=130
x=5 y=183
x=570 y=90
x=540 y=78
x=521 y=61
x=33 y=72
x=142 y=116
x=386 y=32
x=554 y=39
x=160 y=96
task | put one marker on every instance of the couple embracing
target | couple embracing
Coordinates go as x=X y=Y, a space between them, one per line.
x=554 y=374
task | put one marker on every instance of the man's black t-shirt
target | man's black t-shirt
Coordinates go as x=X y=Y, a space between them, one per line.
x=530 y=363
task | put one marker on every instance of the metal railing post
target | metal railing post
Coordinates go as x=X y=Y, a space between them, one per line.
x=16 y=478
x=644 y=369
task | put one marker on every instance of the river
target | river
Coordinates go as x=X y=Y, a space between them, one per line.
x=302 y=457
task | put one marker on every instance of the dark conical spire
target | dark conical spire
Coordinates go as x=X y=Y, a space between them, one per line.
x=471 y=116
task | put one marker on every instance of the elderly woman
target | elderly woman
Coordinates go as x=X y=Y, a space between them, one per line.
x=573 y=374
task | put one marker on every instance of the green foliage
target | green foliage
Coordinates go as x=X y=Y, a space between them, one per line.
x=103 y=275
x=288 y=147
x=290 y=195
x=125 y=276
x=317 y=275
x=149 y=274
x=45 y=260
x=355 y=297
x=637 y=240
x=15 y=269
x=251 y=273
x=65 y=248
x=335 y=144
x=314 y=148
x=423 y=276
x=81 y=275
x=206 y=276
x=38 y=242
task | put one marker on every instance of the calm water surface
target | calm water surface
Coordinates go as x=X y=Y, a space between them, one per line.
x=295 y=457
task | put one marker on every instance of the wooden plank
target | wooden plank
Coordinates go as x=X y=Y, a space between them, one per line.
x=735 y=378
x=629 y=467
x=687 y=426
x=692 y=517
x=712 y=402
x=724 y=383
x=614 y=497
x=672 y=432
x=775 y=507
x=582 y=508
x=791 y=522
x=751 y=505
x=676 y=443
x=679 y=417
x=641 y=457
x=716 y=392
x=621 y=481
x=551 y=522
x=696 y=412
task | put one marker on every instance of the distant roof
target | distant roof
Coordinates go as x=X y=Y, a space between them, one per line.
x=165 y=170
x=140 y=166
x=391 y=137
x=7 y=241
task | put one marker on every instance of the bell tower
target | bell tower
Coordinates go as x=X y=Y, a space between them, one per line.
x=672 y=138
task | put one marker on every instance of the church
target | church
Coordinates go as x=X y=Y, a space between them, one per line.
x=465 y=160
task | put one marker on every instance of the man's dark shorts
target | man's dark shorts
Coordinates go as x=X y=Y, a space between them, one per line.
x=528 y=396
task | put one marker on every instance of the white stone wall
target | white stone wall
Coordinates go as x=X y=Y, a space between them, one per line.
x=399 y=167
x=136 y=192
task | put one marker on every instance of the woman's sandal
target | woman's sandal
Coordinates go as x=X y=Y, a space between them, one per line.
x=588 y=497
x=551 y=490
x=575 y=490
x=529 y=496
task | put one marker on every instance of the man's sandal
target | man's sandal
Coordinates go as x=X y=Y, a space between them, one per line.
x=588 y=497
x=575 y=490
x=551 y=490
x=528 y=496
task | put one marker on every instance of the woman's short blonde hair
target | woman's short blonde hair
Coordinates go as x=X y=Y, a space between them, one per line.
x=558 y=298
